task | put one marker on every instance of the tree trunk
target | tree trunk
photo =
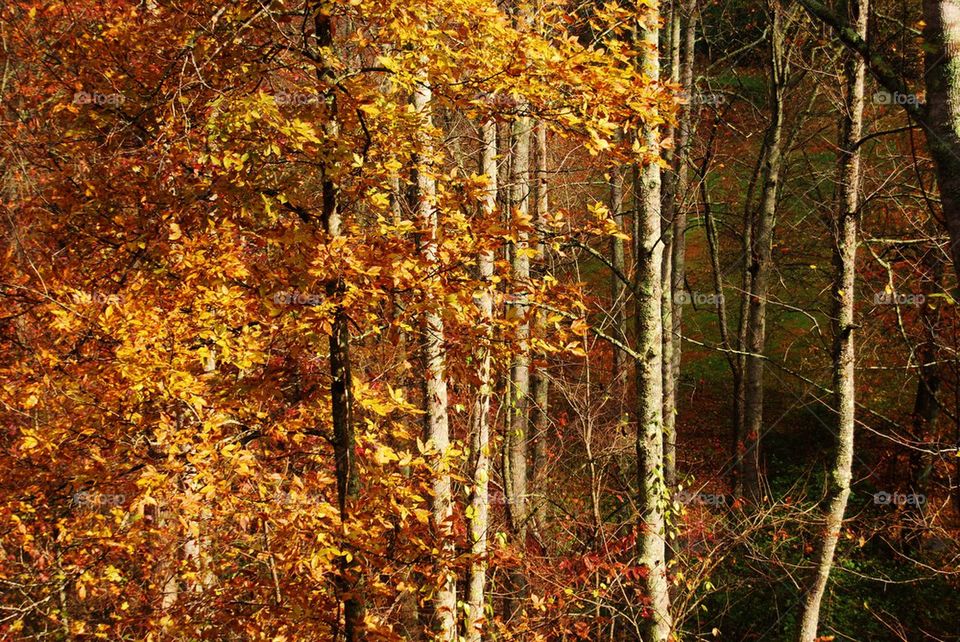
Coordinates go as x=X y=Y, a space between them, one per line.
x=844 y=254
x=436 y=428
x=617 y=289
x=678 y=223
x=480 y=500
x=668 y=213
x=517 y=438
x=649 y=368
x=341 y=383
x=541 y=382
x=760 y=267
x=941 y=33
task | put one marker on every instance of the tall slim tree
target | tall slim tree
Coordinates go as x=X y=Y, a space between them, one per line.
x=341 y=384
x=436 y=416
x=540 y=386
x=683 y=55
x=480 y=499
x=761 y=262
x=845 y=231
x=651 y=535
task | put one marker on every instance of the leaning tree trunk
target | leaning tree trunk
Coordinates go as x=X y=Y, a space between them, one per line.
x=651 y=533
x=436 y=420
x=941 y=34
x=845 y=231
x=760 y=268
x=480 y=500
x=940 y=117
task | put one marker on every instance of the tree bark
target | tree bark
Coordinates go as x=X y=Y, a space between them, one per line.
x=480 y=499
x=540 y=394
x=436 y=428
x=845 y=231
x=341 y=383
x=668 y=214
x=761 y=251
x=675 y=265
x=617 y=289
x=649 y=367
x=515 y=480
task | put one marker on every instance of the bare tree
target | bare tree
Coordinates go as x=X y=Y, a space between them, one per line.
x=845 y=231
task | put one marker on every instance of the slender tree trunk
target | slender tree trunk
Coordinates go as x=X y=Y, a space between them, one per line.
x=739 y=372
x=683 y=56
x=941 y=33
x=436 y=429
x=480 y=500
x=668 y=214
x=540 y=395
x=760 y=268
x=341 y=383
x=649 y=368
x=517 y=437
x=617 y=287
x=845 y=254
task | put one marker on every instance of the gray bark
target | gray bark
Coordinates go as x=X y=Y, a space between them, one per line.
x=480 y=499
x=683 y=55
x=436 y=420
x=668 y=214
x=651 y=534
x=845 y=230
x=515 y=479
x=540 y=394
